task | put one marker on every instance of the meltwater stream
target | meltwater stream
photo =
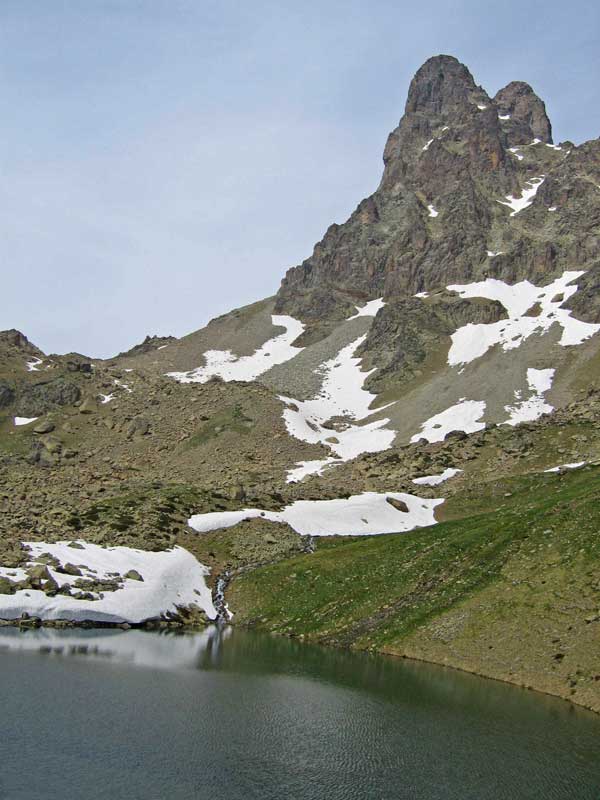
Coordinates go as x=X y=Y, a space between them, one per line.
x=234 y=715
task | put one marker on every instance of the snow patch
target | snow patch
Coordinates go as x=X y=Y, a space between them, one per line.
x=503 y=116
x=171 y=578
x=432 y=211
x=422 y=295
x=426 y=146
x=539 y=381
x=224 y=364
x=573 y=465
x=492 y=254
x=552 y=208
x=362 y=514
x=515 y=152
x=370 y=309
x=106 y=398
x=481 y=107
x=24 y=420
x=463 y=416
x=342 y=398
x=521 y=203
x=33 y=365
x=434 y=480
x=474 y=340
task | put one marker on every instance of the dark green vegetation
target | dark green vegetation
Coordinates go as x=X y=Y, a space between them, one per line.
x=525 y=554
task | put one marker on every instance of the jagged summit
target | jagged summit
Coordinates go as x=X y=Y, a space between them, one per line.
x=439 y=86
x=453 y=166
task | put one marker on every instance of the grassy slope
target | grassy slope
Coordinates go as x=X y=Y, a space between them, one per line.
x=504 y=590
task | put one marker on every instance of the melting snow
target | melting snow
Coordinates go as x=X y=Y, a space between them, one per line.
x=553 y=146
x=521 y=203
x=106 y=398
x=32 y=366
x=370 y=309
x=122 y=385
x=171 y=578
x=463 y=416
x=432 y=211
x=224 y=364
x=503 y=116
x=342 y=396
x=540 y=381
x=434 y=480
x=426 y=146
x=361 y=514
x=552 y=208
x=473 y=340
x=491 y=253
x=481 y=107
x=422 y=295
x=515 y=152
x=574 y=465
x=24 y=420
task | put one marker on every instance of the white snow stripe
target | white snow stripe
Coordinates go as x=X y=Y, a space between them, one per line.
x=370 y=309
x=435 y=480
x=362 y=514
x=224 y=364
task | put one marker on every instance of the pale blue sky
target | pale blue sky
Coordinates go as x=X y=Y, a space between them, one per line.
x=164 y=161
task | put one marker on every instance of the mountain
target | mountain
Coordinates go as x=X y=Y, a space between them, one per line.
x=398 y=451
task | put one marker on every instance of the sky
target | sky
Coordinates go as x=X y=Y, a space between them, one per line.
x=165 y=161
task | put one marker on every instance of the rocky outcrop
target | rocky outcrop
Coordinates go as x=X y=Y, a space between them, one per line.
x=528 y=118
x=405 y=332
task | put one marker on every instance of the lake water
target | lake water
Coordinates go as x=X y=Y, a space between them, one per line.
x=234 y=715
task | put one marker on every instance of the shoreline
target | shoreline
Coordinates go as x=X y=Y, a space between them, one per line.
x=34 y=623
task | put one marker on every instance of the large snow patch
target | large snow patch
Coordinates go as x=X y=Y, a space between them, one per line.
x=530 y=308
x=171 y=579
x=342 y=398
x=223 y=364
x=360 y=514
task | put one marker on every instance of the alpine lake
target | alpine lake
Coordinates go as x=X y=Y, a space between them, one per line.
x=230 y=714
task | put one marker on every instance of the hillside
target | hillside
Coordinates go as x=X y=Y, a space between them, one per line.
x=427 y=380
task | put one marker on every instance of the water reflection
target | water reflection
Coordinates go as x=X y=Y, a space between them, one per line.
x=158 y=650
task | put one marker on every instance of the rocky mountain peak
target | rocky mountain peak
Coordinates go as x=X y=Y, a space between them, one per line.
x=528 y=118
x=441 y=85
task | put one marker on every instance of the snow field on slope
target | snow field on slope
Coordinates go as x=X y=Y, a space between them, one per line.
x=435 y=480
x=361 y=514
x=474 y=339
x=527 y=194
x=342 y=395
x=370 y=309
x=170 y=578
x=224 y=364
x=462 y=416
x=573 y=465
x=540 y=381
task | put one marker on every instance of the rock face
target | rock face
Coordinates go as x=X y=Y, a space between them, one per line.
x=528 y=118
x=437 y=216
